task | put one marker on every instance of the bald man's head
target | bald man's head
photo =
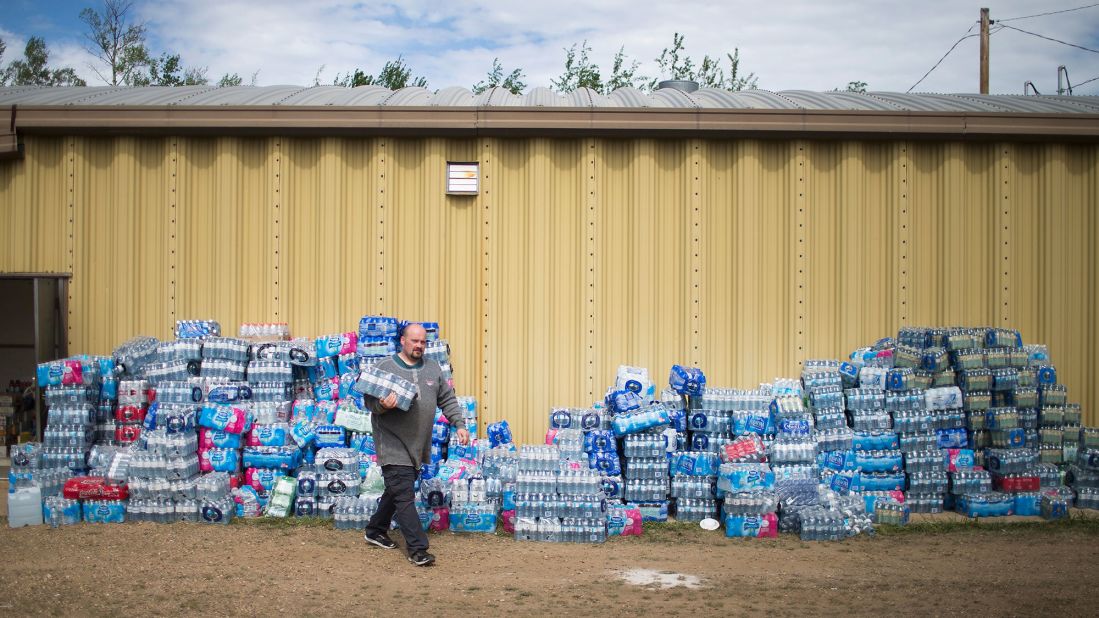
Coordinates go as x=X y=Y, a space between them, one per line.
x=413 y=341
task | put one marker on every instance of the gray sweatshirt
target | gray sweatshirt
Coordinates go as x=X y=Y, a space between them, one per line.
x=403 y=437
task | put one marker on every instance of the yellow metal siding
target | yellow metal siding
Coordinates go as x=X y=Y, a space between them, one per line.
x=954 y=218
x=854 y=192
x=226 y=232
x=329 y=233
x=1054 y=265
x=534 y=269
x=749 y=203
x=642 y=257
x=578 y=255
x=34 y=208
x=431 y=263
x=118 y=285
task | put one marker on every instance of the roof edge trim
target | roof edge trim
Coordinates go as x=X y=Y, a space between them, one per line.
x=332 y=120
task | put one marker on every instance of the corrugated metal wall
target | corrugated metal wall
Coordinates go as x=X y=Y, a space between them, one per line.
x=34 y=208
x=742 y=256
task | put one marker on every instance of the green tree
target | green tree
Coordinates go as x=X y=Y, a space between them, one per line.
x=116 y=41
x=580 y=71
x=621 y=76
x=168 y=71
x=395 y=74
x=230 y=80
x=513 y=82
x=674 y=63
x=119 y=43
x=711 y=75
x=3 y=71
x=671 y=64
x=33 y=69
x=855 y=86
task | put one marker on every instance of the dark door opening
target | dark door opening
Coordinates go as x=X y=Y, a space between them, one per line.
x=33 y=308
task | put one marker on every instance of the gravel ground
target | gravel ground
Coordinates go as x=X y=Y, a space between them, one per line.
x=941 y=565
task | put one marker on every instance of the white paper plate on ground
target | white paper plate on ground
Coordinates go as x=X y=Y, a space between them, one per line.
x=709 y=524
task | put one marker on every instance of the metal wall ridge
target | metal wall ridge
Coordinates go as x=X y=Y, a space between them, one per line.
x=575 y=122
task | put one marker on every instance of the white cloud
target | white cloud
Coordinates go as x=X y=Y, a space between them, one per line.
x=798 y=44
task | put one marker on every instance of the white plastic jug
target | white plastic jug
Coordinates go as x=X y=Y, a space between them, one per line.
x=25 y=507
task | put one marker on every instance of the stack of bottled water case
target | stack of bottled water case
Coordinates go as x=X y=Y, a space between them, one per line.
x=645 y=468
x=60 y=511
x=1082 y=475
x=733 y=425
x=692 y=444
x=109 y=391
x=337 y=474
x=555 y=501
x=305 y=496
x=378 y=336
x=471 y=508
x=330 y=384
x=77 y=392
x=225 y=417
x=334 y=481
x=125 y=424
x=599 y=443
x=163 y=464
x=213 y=492
x=694 y=485
x=601 y=448
x=747 y=484
x=640 y=422
x=133 y=355
x=500 y=467
x=957 y=398
x=352 y=512
x=269 y=452
x=962 y=418
x=313 y=430
x=824 y=383
x=70 y=427
x=742 y=412
x=795 y=455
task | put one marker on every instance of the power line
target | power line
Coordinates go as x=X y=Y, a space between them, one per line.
x=1086 y=81
x=1049 y=13
x=964 y=37
x=1042 y=36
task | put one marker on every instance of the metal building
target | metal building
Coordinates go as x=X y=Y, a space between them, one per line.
x=739 y=232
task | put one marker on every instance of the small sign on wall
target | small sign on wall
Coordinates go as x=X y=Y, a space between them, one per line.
x=462 y=178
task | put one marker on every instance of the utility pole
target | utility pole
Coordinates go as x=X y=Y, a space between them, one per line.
x=984 y=51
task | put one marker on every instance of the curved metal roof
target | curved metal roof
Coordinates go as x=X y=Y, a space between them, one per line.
x=708 y=98
x=455 y=96
x=828 y=100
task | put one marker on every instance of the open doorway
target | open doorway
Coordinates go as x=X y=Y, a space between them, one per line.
x=33 y=311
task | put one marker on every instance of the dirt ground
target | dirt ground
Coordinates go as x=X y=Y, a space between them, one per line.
x=261 y=568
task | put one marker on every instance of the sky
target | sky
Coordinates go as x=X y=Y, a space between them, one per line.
x=788 y=45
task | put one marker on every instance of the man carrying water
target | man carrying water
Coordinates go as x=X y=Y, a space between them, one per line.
x=403 y=442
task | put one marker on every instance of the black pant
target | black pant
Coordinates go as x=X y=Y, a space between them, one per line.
x=400 y=499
